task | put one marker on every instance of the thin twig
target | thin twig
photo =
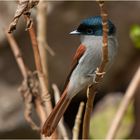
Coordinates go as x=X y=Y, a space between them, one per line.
x=45 y=96
x=92 y=89
x=56 y=93
x=88 y=110
x=61 y=125
x=24 y=7
x=17 y=54
x=127 y=99
x=76 y=128
x=35 y=49
x=49 y=49
x=42 y=35
x=25 y=73
x=45 y=93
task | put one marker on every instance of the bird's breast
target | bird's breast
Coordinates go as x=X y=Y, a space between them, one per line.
x=88 y=63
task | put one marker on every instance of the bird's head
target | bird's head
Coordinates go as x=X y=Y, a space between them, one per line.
x=93 y=26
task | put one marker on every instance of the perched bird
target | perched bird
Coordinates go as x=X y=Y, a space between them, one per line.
x=85 y=62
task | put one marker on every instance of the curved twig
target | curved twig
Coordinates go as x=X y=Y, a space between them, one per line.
x=92 y=89
x=76 y=128
x=24 y=7
x=128 y=97
x=25 y=73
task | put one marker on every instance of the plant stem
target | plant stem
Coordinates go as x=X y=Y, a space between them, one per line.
x=42 y=35
x=76 y=128
x=128 y=97
x=92 y=88
x=24 y=70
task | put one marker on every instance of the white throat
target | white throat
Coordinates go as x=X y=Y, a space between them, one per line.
x=90 y=40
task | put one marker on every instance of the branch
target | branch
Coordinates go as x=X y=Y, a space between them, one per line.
x=49 y=49
x=45 y=96
x=24 y=7
x=17 y=54
x=91 y=91
x=76 y=128
x=45 y=93
x=88 y=110
x=25 y=89
x=127 y=99
x=41 y=35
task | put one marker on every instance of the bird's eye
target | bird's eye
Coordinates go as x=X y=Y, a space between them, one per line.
x=89 y=31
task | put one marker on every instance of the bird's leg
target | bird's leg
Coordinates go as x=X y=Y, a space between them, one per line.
x=93 y=75
x=99 y=73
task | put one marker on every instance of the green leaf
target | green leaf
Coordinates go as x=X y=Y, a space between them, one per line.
x=135 y=35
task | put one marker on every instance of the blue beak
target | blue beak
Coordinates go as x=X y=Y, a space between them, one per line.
x=75 y=32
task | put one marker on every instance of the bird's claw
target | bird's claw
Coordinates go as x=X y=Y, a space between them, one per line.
x=94 y=77
x=100 y=73
x=96 y=82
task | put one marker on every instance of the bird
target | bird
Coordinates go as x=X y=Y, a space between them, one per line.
x=86 y=60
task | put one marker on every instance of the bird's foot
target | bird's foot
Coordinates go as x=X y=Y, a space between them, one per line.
x=100 y=73
x=93 y=75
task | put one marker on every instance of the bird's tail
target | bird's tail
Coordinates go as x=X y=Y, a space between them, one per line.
x=55 y=116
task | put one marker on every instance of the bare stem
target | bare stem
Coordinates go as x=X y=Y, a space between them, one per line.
x=45 y=96
x=23 y=9
x=35 y=49
x=45 y=93
x=127 y=99
x=92 y=88
x=17 y=54
x=42 y=35
x=76 y=128
x=89 y=107
x=24 y=71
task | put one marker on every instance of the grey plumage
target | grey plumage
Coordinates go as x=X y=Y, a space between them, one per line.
x=89 y=62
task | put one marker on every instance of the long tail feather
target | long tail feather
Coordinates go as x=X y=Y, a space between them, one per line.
x=56 y=114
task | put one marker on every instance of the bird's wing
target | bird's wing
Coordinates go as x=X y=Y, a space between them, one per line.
x=79 y=53
x=63 y=103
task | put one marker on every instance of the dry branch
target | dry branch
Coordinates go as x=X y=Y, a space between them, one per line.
x=25 y=86
x=128 y=97
x=29 y=91
x=88 y=110
x=42 y=101
x=45 y=96
x=92 y=89
x=76 y=128
x=42 y=35
x=24 y=7
x=17 y=54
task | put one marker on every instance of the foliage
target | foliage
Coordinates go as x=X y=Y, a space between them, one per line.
x=135 y=35
x=103 y=116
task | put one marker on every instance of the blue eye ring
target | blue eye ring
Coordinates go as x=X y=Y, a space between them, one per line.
x=89 y=31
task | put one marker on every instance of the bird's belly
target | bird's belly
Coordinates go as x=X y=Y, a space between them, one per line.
x=89 y=63
x=87 y=66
